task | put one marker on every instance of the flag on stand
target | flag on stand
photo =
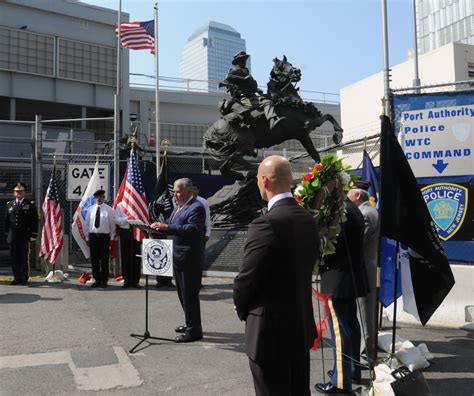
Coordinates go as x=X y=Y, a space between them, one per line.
x=118 y=198
x=134 y=202
x=121 y=190
x=52 y=233
x=79 y=218
x=388 y=253
x=406 y=219
x=370 y=174
x=137 y=35
x=161 y=203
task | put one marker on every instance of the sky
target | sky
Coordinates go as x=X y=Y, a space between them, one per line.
x=334 y=42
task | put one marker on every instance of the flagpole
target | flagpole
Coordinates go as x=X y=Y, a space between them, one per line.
x=157 y=95
x=416 y=81
x=385 y=59
x=117 y=103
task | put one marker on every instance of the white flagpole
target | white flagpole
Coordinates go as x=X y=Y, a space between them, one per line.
x=386 y=66
x=157 y=95
x=117 y=104
x=416 y=80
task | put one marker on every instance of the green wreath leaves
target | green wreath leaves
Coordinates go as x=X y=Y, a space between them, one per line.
x=322 y=192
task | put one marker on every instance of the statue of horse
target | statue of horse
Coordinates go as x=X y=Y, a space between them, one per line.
x=230 y=138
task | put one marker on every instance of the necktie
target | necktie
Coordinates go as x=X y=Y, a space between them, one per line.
x=97 y=218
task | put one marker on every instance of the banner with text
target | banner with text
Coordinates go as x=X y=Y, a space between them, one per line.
x=439 y=142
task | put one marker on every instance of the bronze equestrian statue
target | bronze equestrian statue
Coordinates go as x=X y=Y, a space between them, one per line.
x=252 y=120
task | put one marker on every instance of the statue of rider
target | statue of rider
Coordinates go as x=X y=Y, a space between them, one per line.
x=243 y=89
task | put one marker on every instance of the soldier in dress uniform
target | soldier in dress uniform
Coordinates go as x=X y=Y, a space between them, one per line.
x=21 y=226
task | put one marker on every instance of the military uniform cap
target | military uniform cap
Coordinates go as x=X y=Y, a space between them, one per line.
x=98 y=193
x=362 y=184
x=19 y=187
x=240 y=55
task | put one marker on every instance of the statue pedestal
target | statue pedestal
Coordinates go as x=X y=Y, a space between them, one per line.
x=236 y=205
x=224 y=249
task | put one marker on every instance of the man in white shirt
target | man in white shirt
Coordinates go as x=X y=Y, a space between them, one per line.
x=129 y=248
x=99 y=230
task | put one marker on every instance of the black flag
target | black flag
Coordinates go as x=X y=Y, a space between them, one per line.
x=161 y=203
x=406 y=219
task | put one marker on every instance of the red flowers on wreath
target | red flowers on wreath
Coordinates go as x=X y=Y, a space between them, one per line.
x=317 y=167
x=307 y=177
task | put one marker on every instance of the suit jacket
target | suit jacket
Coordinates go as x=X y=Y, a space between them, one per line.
x=272 y=291
x=371 y=238
x=21 y=223
x=337 y=278
x=186 y=230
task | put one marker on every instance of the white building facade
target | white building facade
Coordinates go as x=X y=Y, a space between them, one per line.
x=361 y=101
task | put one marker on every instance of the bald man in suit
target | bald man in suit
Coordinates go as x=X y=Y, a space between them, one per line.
x=272 y=292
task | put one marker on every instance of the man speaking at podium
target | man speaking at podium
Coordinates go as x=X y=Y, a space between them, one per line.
x=185 y=227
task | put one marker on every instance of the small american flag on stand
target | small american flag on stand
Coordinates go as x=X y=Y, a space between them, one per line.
x=52 y=233
x=138 y=35
x=134 y=202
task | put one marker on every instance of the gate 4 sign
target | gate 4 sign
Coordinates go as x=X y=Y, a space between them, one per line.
x=157 y=257
x=439 y=141
x=78 y=176
x=447 y=204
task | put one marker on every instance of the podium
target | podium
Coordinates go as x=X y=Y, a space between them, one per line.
x=157 y=259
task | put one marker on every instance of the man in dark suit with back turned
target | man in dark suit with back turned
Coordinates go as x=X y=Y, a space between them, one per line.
x=21 y=225
x=344 y=278
x=185 y=227
x=272 y=291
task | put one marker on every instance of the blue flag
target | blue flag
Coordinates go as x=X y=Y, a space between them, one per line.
x=388 y=246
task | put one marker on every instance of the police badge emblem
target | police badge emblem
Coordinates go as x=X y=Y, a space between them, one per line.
x=447 y=204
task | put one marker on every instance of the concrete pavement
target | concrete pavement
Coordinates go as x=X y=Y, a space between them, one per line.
x=69 y=339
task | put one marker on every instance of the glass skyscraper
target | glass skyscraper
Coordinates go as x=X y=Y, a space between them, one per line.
x=207 y=55
x=440 y=22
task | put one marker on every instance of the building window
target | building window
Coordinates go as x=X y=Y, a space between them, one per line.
x=470 y=70
x=27 y=52
x=87 y=62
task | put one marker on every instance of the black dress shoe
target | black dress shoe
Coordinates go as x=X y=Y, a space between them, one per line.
x=125 y=286
x=187 y=338
x=329 y=389
x=136 y=286
x=103 y=285
x=355 y=380
x=180 y=329
x=95 y=284
x=14 y=282
x=24 y=283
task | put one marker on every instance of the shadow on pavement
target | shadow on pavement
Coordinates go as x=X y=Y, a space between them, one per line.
x=19 y=298
x=445 y=386
x=228 y=341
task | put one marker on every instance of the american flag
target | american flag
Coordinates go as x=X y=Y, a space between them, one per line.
x=134 y=202
x=137 y=35
x=52 y=233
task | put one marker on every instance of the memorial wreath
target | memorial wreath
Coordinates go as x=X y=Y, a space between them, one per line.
x=322 y=192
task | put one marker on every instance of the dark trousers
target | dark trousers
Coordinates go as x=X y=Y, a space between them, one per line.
x=188 y=285
x=131 y=264
x=291 y=378
x=19 y=250
x=345 y=334
x=99 y=246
